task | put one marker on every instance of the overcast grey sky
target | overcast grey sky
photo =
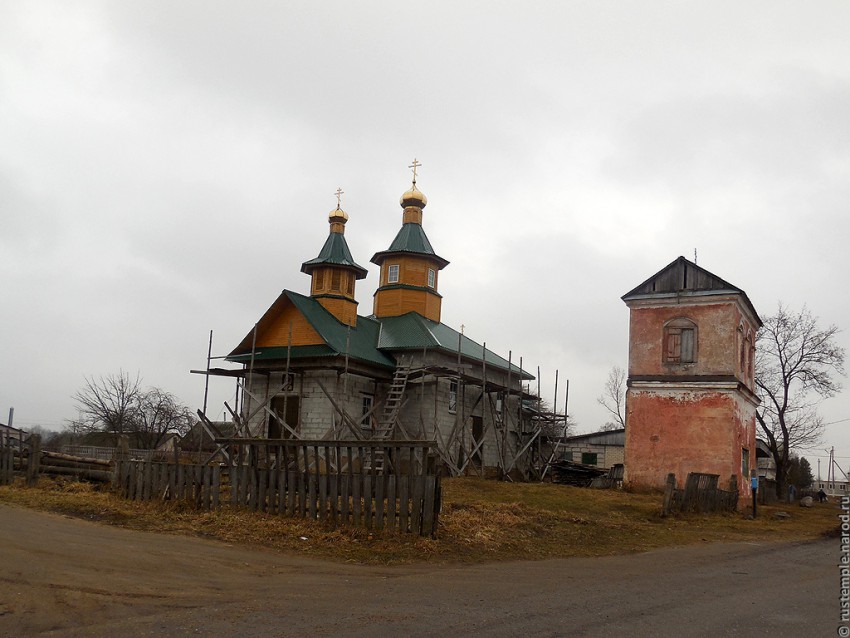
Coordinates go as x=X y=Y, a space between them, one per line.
x=165 y=168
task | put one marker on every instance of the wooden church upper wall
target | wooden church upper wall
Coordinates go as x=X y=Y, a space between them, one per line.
x=276 y=332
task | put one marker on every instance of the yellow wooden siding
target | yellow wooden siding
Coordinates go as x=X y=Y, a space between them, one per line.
x=412 y=271
x=276 y=333
x=333 y=280
x=343 y=309
x=399 y=301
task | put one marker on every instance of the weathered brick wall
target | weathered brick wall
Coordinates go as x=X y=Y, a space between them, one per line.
x=719 y=339
x=679 y=431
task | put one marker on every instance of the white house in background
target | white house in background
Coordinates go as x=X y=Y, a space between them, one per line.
x=7 y=431
x=602 y=449
x=764 y=461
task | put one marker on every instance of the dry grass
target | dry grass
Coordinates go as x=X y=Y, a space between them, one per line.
x=480 y=521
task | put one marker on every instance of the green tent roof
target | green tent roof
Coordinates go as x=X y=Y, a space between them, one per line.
x=410 y=239
x=335 y=252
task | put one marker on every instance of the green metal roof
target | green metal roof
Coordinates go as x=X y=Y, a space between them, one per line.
x=410 y=239
x=413 y=331
x=372 y=341
x=359 y=341
x=335 y=252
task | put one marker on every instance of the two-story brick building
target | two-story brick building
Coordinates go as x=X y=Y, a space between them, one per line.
x=691 y=402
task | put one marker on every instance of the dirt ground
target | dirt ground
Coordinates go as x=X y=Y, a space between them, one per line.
x=66 y=577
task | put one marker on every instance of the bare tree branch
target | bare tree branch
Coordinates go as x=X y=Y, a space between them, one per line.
x=613 y=398
x=117 y=404
x=796 y=365
x=108 y=403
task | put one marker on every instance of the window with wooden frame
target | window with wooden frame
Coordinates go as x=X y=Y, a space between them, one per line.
x=336 y=276
x=680 y=341
x=349 y=284
x=392 y=274
x=453 y=397
x=318 y=279
x=367 y=402
x=432 y=278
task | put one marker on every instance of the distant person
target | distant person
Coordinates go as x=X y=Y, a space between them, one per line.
x=792 y=493
x=821 y=495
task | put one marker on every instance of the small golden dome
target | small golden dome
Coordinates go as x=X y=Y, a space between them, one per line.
x=338 y=215
x=413 y=197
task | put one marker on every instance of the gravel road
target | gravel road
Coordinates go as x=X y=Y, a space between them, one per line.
x=61 y=576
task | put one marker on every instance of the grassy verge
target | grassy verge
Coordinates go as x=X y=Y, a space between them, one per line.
x=480 y=521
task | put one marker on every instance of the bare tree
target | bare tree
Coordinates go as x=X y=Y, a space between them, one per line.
x=108 y=403
x=613 y=398
x=796 y=361
x=158 y=414
x=118 y=404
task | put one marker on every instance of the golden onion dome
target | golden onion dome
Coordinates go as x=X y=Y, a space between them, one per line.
x=413 y=197
x=338 y=215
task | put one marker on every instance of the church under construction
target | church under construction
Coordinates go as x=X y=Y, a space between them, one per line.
x=312 y=368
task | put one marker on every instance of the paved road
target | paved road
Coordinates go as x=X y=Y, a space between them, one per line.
x=65 y=577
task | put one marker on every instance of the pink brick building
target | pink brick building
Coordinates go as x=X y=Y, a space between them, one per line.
x=691 y=402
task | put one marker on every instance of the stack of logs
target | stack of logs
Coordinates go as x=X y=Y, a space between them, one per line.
x=77 y=466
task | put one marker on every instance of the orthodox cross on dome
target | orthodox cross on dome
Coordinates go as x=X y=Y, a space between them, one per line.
x=338 y=194
x=416 y=164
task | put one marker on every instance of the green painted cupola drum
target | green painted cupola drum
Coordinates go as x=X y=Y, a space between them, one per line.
x=409 y=266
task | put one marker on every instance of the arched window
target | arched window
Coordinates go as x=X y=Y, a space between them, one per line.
x=680 y=341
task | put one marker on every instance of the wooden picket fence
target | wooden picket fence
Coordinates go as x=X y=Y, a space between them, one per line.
x=21 y=455
x=373 y=484
x=154 y=480
x=700 y=494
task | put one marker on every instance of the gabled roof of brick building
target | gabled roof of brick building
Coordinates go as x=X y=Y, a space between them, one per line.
x=682 y=276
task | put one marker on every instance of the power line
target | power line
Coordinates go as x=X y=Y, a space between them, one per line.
x=839 y=421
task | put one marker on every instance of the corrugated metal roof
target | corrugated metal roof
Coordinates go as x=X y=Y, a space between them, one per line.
x=358 y=342
x=335 y=252
x=413 y=331
x=372 y=340
x=410 y=239
x=607 y=437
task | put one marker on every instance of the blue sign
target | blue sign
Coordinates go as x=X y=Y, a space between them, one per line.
x=755 y=482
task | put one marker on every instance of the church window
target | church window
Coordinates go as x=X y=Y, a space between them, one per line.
x=335 y=279
x=365 y=409
x=432 y=278
x=319 y=279
x=392 y=274
x=453 y=397
x=680 y=341
x=349 y=284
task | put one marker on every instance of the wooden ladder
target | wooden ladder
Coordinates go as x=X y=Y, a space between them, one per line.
x=395 y=398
